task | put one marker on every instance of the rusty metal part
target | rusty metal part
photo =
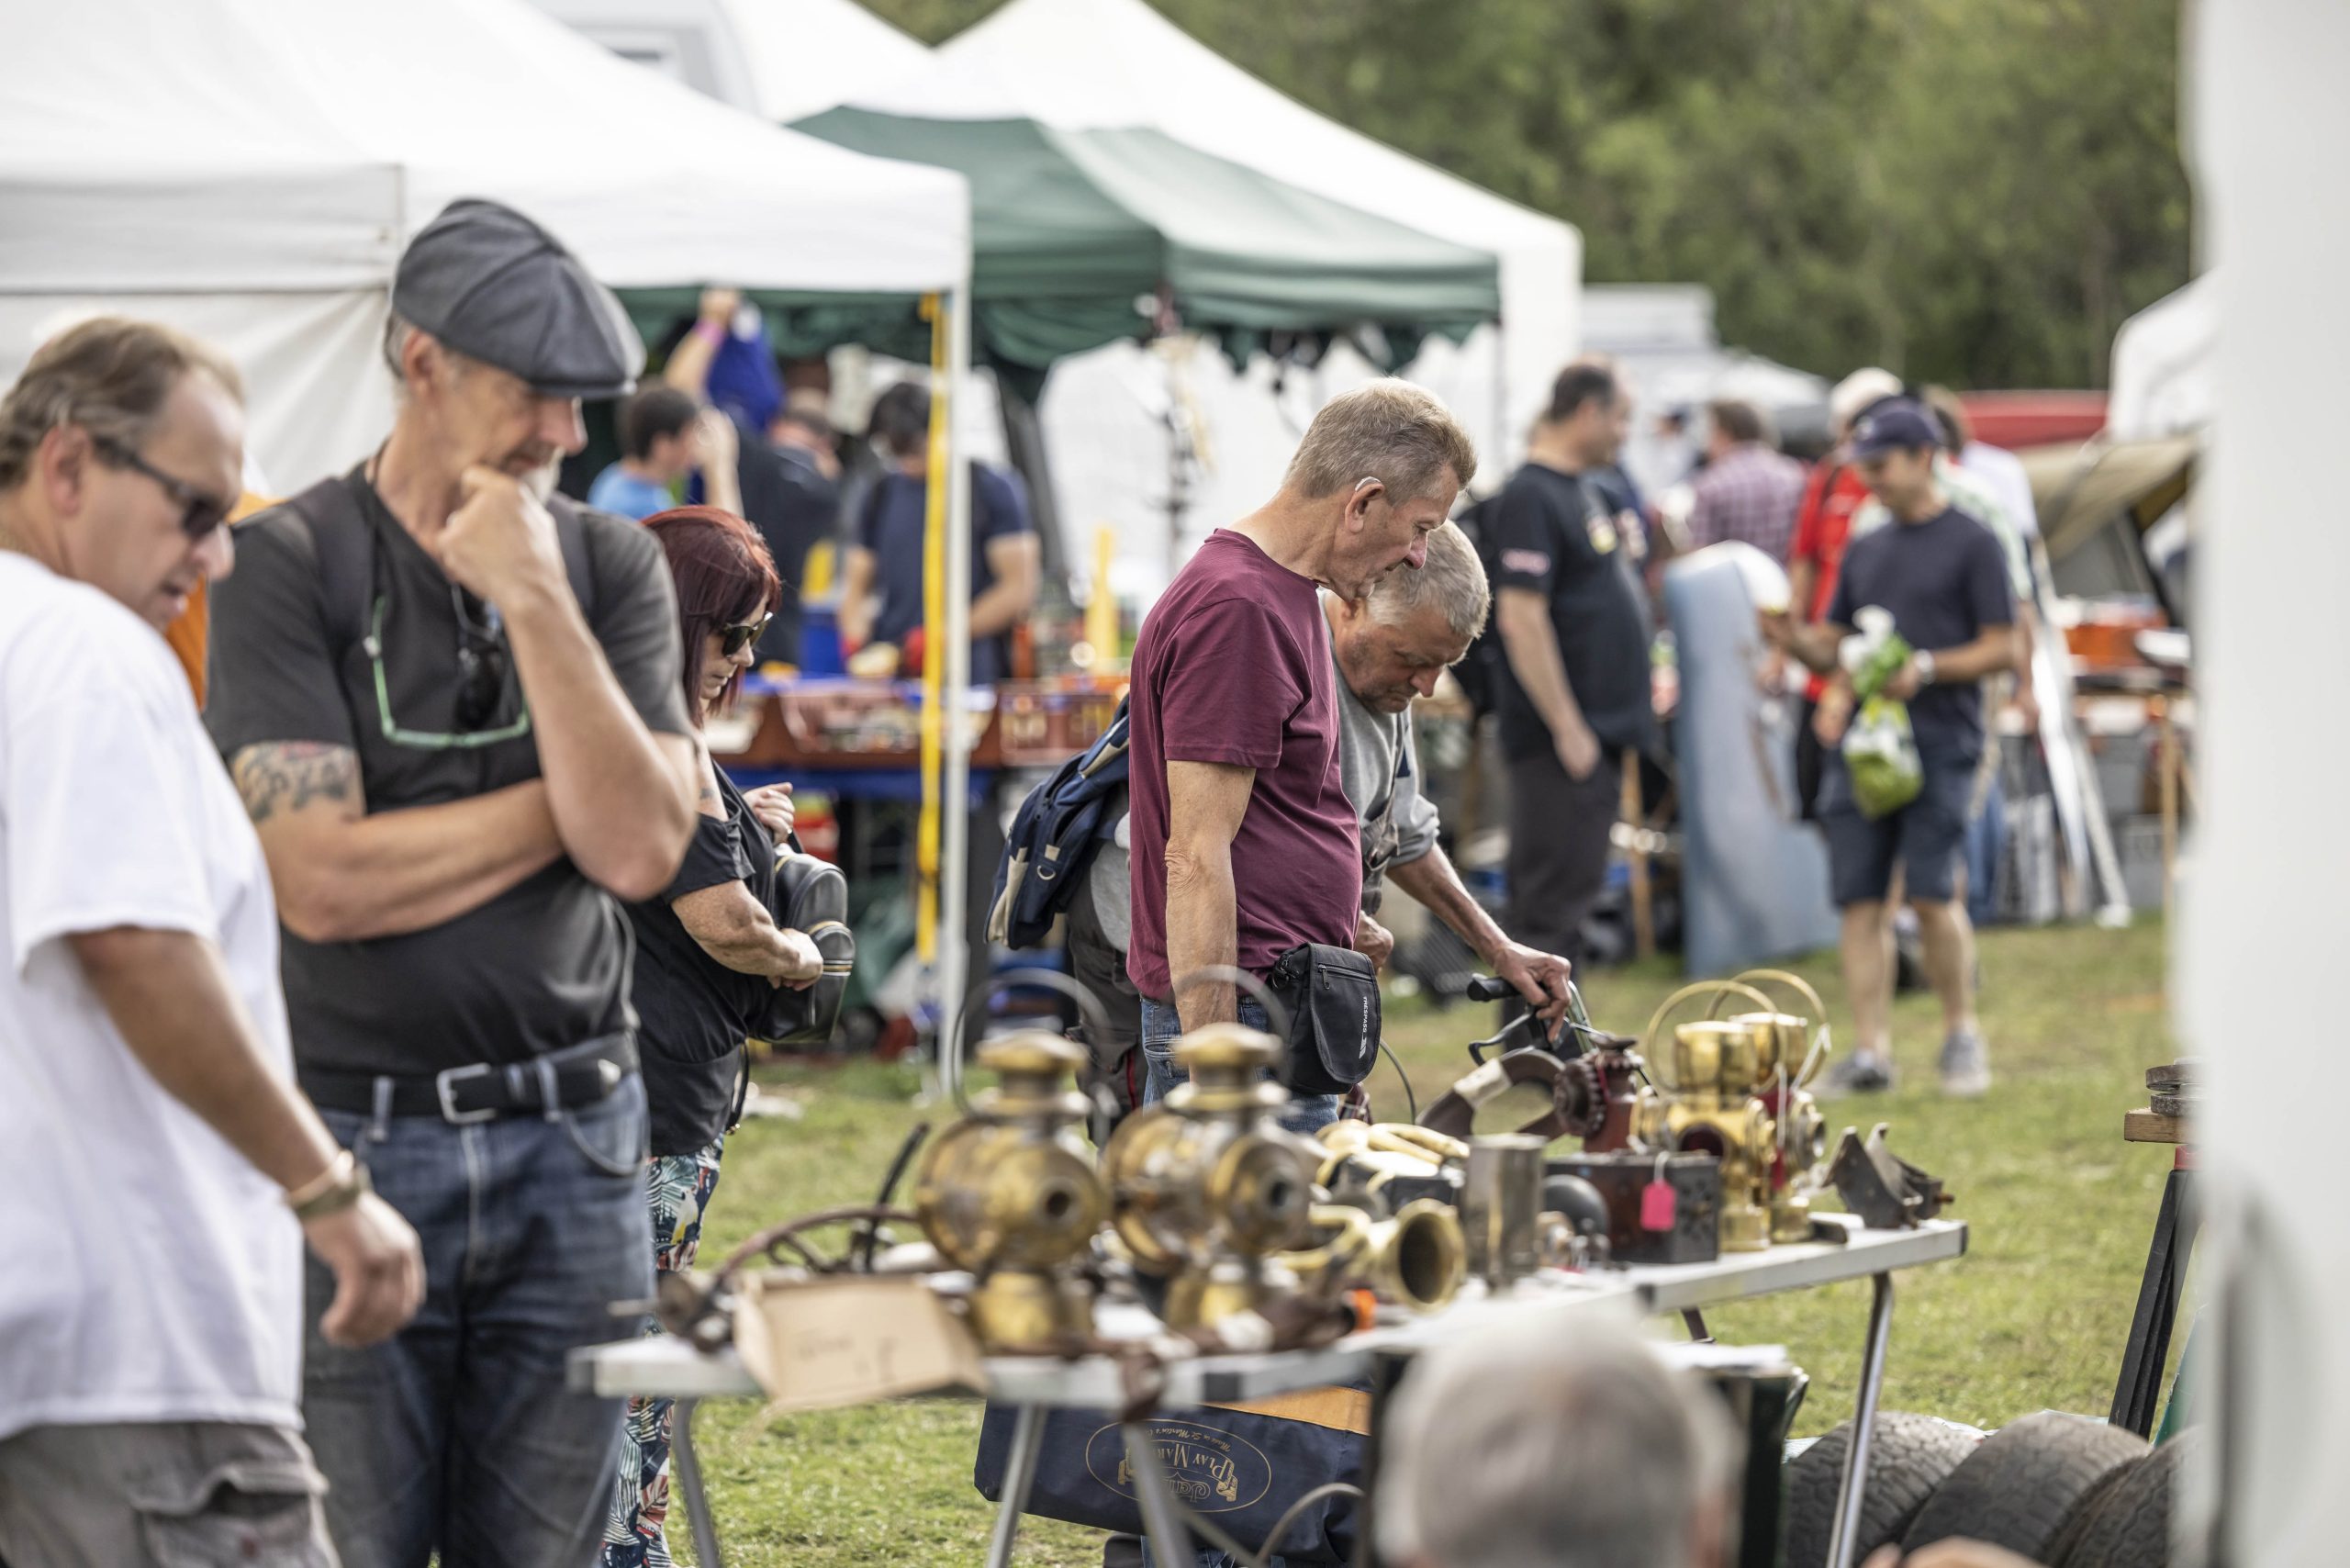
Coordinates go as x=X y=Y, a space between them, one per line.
x=1009 y=1193
x=1884 y=1190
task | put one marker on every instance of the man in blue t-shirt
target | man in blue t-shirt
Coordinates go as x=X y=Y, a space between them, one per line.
x=1943 y=576
x=667 y=434
x=882 y=587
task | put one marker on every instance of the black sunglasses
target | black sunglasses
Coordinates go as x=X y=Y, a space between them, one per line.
x=200 y=513
x=732 y=640
x=481 y=662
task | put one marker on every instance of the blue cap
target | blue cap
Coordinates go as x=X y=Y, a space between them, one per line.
x=1896 y=424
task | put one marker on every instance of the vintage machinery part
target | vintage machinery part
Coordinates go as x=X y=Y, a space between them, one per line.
x=1794 y=1048
x=1416 y=1260
x=1647 y=1036
x=1575 y=1201
x=1501 y=1205
x=1683 y=1226
x=1010 y=1195
x=1206 y=1188
x=1714 y=1111
x=1884 y=1190
x=1570 y=1038
x=1622 y=1074
x=1381 y=1166
x=1820 y=1043
x=1578 y=1095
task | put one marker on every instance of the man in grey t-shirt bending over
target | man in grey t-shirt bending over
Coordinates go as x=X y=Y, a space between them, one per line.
x=1390 y=648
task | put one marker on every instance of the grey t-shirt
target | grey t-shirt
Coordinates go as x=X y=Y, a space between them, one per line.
x=1379 y=767
x=545 y=964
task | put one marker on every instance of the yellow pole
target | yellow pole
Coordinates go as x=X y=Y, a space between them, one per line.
x=933 y=641
x=1102 y=609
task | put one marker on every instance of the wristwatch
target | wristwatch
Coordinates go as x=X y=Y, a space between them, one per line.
x=1925 y=663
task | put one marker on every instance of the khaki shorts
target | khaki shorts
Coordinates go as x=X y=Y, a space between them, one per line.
x=161 y=1495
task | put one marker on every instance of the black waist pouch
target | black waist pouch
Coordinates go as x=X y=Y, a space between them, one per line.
x=1332 y=995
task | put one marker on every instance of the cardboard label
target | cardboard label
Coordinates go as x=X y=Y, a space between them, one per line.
x=821 y=1344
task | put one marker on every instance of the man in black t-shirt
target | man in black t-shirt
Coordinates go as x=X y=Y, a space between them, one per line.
x=453 y=707
x=791 y=494
x=1574 y=626
x=1943 y=578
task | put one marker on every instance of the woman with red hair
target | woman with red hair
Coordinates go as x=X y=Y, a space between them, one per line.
x=709 y=954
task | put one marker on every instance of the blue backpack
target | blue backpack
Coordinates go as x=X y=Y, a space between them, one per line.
x=1060 y=824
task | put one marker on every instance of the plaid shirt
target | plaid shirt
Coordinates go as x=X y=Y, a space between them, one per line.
x=1749 y=493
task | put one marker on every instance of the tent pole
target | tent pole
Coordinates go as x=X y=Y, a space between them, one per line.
x=954 y=861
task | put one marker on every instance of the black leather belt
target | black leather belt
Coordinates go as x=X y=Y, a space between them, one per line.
x=560 y=1081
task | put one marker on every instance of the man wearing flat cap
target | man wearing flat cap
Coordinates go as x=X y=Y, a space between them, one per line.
x=452 y=702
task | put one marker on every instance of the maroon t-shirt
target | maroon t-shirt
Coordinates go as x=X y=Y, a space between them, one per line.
x=1233 y=665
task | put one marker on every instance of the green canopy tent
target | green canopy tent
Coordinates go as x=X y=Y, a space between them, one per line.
x=1084 y=236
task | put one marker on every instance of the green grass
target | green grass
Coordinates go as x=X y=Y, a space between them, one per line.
x=2032 y=1317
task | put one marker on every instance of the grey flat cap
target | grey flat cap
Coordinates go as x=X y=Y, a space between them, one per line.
x=496 y=286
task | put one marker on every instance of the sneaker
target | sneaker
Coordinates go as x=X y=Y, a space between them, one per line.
x=1868 y=1074
x=1966 y=1066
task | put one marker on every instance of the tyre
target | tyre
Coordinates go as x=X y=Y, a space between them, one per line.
x=2022 y=1486
x=1908 y=1457
x=2128 y=1525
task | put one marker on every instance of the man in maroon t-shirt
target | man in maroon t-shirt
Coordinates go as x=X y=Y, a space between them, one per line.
x=1244 y=842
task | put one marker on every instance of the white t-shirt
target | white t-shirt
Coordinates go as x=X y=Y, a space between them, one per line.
x=147 y=1271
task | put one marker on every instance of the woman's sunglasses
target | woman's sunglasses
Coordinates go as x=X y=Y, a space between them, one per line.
x=199 y=513
x=732 y=640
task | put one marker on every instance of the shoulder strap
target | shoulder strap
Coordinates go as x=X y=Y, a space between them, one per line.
x=330 y=514
x=571 y=533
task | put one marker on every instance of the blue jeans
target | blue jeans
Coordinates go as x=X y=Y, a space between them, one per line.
x=459 y=1434
x=1307 y=1113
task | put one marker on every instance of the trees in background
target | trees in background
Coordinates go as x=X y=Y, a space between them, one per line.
x=1969 y=191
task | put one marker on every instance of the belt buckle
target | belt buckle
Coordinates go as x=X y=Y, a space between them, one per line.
x=444 y=1083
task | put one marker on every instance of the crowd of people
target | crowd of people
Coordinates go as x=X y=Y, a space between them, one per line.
x=372 y=1030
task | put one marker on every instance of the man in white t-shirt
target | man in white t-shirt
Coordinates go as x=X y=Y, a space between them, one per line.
x=164 y=1171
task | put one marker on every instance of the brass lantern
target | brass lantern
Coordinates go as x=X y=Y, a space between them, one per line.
x=1009 y=1193
x=1205 y=1186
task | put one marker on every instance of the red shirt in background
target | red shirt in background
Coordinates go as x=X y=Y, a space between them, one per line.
x=1823 y=525
x=1233 y=665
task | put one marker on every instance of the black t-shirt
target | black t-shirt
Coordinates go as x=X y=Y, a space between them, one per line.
x=1553 y=534
x=542 y=965
x=692 y=1012
x=794 y=507
x=1945 y=580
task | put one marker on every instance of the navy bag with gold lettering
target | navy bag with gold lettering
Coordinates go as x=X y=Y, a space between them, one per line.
x=1240 y=1466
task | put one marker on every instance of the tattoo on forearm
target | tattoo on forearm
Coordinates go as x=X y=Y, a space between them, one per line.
x=289 y=775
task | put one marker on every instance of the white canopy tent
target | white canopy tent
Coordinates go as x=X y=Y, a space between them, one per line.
x=252 y=169
x=2163 y=366
x=1109 y=415
x=807 y=55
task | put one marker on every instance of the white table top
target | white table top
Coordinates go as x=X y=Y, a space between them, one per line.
x=667 y=1367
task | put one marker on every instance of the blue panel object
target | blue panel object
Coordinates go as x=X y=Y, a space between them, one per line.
x=1754 y=876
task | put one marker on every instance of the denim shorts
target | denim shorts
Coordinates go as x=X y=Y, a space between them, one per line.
x=1923 y=837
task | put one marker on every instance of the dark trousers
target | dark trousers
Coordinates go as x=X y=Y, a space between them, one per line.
x=1559 y=828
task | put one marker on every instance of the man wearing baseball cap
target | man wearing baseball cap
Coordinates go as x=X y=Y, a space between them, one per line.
x=1942 y=575
x=452 y=703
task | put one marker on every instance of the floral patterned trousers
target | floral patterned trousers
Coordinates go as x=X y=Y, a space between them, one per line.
x=677 y=1187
